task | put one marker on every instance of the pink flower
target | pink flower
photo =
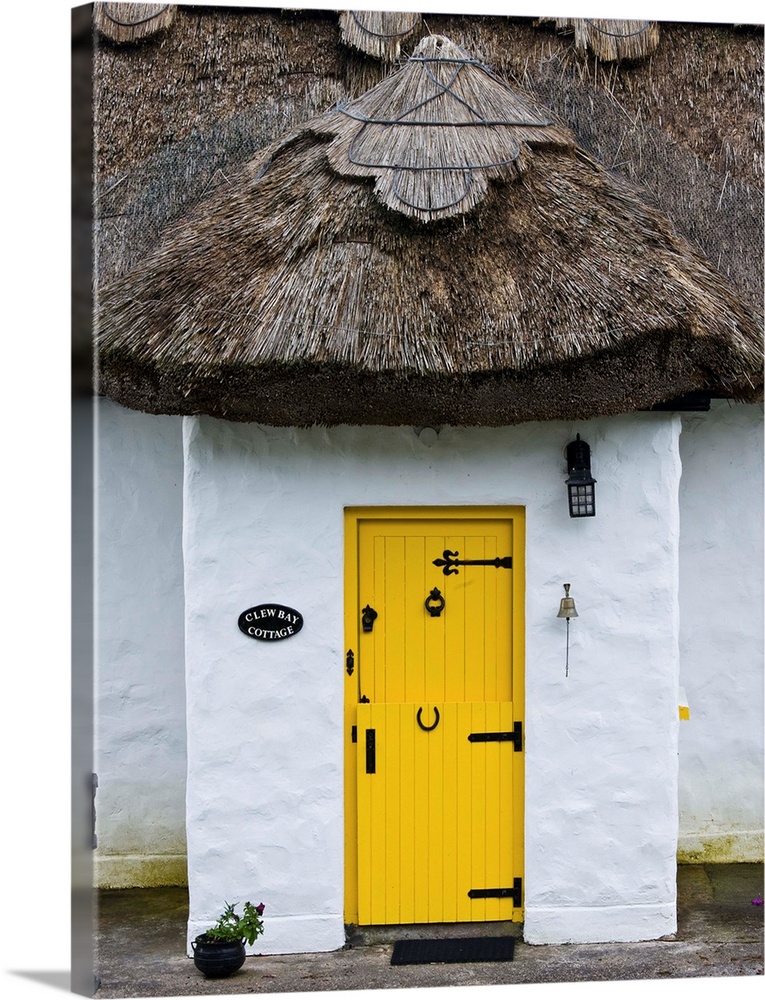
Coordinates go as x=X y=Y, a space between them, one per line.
x=261 y=906
x=757 y=901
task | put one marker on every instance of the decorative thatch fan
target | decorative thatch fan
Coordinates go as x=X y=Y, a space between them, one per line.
x=611 y=40
x=378 y=33
x=132 y=22
x=433 y=134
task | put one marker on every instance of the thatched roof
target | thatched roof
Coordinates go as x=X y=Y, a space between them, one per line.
x=304 y=290
x=435 y=133
x=176 y=114
x=378 y=33
x=610 y=40
x=132 y=22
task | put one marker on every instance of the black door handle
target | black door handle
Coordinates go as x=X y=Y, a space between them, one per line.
x=368 y=616
x=435 y=603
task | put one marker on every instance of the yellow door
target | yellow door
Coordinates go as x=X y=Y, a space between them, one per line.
x=434 y=715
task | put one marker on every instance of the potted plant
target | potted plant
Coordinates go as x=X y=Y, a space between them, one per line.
x=219 y=951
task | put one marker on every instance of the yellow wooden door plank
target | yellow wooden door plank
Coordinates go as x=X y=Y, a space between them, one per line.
x=432 y=744
x=451 y=809
x=390 y=859
x=455 y=622
x=495 y=620
x=364 y=798
x=370 y=650
x=463 y=794
x=395 y=619
x=436 y=629
x=351 y=815
x=495 y=798
x=476 y=664
x=505 y=624
x=376 y=838
x=407 y=831
x=422 y=821
x=379 y=636
x=478 y=796
x=415 y=625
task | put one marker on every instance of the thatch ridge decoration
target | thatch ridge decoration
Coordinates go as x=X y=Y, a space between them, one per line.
x=434 y=133
x=611 y=40
x=291 y=296
x=378 y=33
x=124 y=23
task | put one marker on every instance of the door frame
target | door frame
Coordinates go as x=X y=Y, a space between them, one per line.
x=353 y=516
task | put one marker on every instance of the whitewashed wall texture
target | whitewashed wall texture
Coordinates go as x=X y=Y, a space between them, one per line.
x=140 y=753
x=721 y=649
x=264 y=522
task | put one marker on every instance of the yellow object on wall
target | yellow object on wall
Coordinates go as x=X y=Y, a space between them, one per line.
x=684 y=708
x=434 y=751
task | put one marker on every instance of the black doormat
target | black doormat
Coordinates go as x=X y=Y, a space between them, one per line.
x=486 y=949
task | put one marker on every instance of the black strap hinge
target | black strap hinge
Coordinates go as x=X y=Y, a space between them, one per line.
x=516 y=893
x=515 y=737
x=450 y=562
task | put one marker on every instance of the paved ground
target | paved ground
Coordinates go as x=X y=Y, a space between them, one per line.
x=140 y=949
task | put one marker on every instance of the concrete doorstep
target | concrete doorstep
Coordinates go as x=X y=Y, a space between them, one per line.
x=141 y=935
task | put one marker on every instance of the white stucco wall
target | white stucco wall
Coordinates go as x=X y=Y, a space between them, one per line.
x=140 y=752
x=721 y=649
x=264 y=522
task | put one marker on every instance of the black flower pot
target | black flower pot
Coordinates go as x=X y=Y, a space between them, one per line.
x=217 y=958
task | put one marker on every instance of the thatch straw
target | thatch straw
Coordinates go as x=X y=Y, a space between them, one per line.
x=611 y=40
x=685 y=124
x=293 y=296
x=132 y=22
x=436 y=132
x=378 y=33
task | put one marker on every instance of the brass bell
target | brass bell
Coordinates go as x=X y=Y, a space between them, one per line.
x=567 y=606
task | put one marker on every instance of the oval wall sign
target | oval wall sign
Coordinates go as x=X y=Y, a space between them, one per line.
x=270 y=622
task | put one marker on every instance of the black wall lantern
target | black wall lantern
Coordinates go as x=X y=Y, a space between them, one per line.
x=581 y=485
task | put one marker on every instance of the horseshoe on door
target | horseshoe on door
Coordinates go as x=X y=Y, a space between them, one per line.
x=428 y=729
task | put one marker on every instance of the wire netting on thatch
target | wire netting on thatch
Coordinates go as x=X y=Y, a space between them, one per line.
x=132 y=22
x=685 y=124
x=611 y=40
x=378 y=33
x=436 y=132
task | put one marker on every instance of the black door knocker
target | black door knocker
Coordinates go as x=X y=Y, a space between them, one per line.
x=368 y=616
x=428 y=729
x=435 y=603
